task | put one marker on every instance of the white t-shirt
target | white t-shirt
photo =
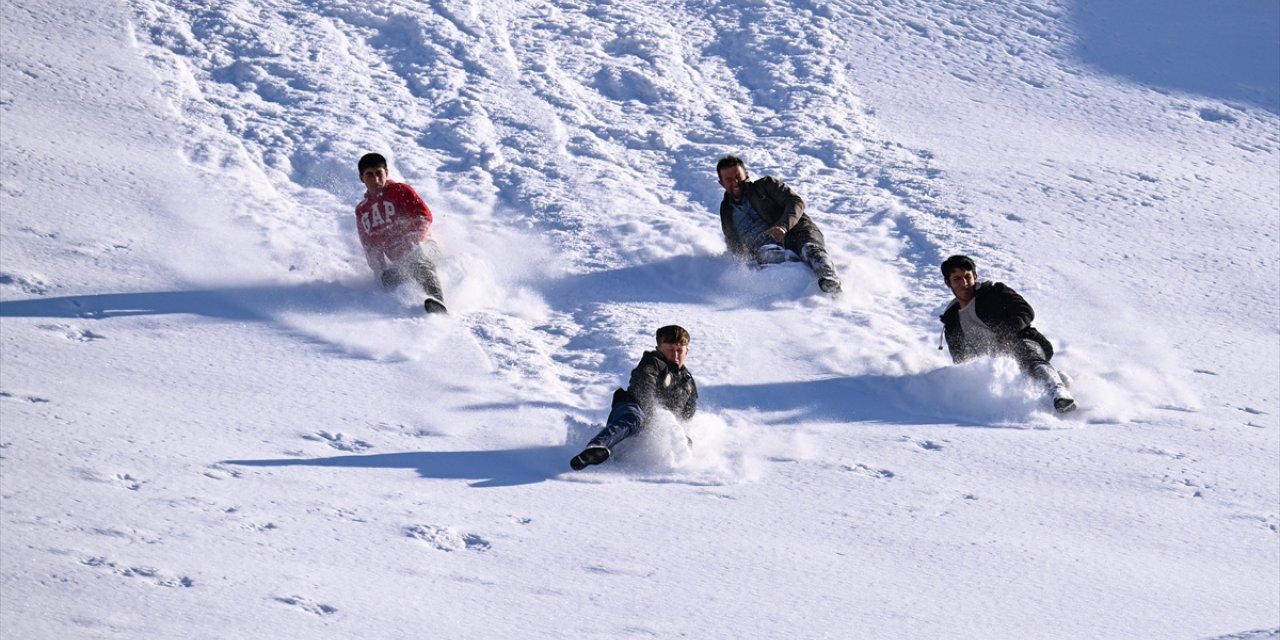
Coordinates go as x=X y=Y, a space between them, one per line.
x=976 y=332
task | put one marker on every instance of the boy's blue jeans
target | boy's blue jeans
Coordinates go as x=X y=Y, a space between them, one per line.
x=626 y=419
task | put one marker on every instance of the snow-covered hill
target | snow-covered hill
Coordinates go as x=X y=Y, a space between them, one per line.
x=213 y=424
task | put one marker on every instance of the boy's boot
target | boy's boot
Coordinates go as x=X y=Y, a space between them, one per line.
x=593 y=454
x=1062 y=400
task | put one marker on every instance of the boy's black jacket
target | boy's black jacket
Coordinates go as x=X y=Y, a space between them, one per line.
x=656 y=383
x=1008 y=314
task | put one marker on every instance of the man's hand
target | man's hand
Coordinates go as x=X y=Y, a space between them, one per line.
x=777 y=233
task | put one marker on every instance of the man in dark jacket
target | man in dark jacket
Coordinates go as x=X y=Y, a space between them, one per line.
x=990 y=318
x=764 y=219
x=660 y=381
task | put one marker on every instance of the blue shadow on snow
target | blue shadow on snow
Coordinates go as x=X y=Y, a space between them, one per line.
x=1227 y=49
x=504 y=468
x=247 y=303
x=686 y=279
x=941 y=396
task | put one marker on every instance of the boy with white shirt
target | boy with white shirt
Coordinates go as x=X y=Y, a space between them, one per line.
x=990 y=318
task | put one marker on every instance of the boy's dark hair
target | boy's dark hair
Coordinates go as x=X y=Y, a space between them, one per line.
x=674 y=334
x=371 y=161
x=730 y=161
x=963 y=263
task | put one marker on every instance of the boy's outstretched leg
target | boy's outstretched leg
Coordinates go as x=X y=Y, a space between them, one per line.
x=625 y=420
x=1034 y=361
x=425 y=273
x=422 y=267
x=1053 y=384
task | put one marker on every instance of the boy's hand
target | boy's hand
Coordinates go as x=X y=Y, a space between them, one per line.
x=777 y=233
x=375 y=260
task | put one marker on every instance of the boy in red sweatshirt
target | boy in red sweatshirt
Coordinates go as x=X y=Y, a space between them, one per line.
x=394 y=225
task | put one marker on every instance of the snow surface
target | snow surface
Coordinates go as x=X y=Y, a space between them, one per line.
x=215 y=425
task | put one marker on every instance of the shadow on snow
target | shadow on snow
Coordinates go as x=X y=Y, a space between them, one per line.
x=504 y=468
x=715 y=280
x=248 y=303
x=1226 y=50
x=963 y=395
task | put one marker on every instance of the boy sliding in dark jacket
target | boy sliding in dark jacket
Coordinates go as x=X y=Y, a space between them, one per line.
x=660 y=381
x=989 y=318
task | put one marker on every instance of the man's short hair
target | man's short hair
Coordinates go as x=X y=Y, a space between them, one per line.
x=960 y=262
x=673 y=334
x=730 y=161
x=371 y=161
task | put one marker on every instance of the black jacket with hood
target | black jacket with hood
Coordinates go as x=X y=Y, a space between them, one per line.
x=656 y=383
x=1006 y=313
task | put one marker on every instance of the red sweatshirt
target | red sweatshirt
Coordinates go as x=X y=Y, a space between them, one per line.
x=391 y=223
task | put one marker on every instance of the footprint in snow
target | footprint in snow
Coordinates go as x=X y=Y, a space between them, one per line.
x=73 y=333
x=1256 y=634
x=338 y=441
x=155 y=576
x=1267 y=522
x=927 y=445
x=221 y=472
x=33 y=285
x=633 y=571
x=31 y=399
x=864 y=470
x=309 y=606
x=446 y=538
x=124 y=480
x=1157 y=451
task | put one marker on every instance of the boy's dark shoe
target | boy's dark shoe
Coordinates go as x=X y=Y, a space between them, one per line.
x=829 y=285
x=594 y=454
x=434 y=306
x=1062 y=400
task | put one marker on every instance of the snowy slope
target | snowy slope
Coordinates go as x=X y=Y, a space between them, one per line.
x=213 y=424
